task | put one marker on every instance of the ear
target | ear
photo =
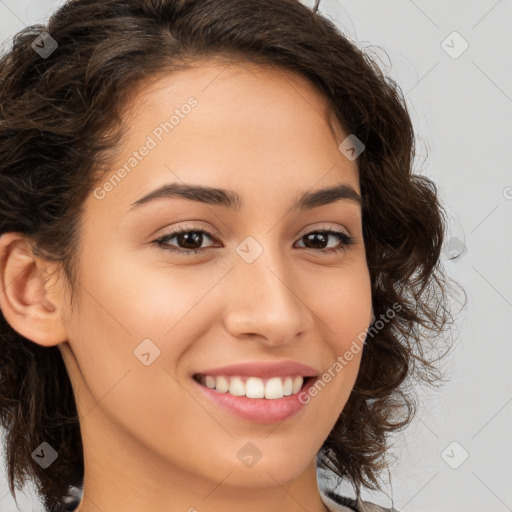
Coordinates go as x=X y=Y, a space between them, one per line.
x=29 y=294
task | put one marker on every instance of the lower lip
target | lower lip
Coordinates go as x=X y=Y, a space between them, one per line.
x=258 y=410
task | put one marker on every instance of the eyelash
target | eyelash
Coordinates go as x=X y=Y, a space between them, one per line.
x=346 y=241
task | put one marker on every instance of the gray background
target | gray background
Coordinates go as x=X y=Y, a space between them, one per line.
x=461 y=106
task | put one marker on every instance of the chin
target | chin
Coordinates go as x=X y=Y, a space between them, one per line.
x=280 y=466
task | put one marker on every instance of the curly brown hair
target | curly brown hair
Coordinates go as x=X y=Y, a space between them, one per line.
x=61 y=114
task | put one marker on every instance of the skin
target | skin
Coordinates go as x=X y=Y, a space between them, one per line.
x=151 y=441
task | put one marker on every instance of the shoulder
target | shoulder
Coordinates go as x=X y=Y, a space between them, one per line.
x=336 y=503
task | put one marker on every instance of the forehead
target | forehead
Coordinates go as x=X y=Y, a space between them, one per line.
x=234 y=94
x=252 y=129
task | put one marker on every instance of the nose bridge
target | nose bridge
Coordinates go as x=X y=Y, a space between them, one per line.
x=266 y=302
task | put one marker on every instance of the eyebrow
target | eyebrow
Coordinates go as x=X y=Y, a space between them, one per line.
x=229 y=199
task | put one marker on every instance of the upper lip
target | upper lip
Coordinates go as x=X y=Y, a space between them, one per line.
x=263 y=369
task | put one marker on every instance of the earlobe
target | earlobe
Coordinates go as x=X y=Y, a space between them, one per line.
x=29 y=299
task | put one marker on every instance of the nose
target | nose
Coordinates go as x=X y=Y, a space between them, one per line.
x=266 y=302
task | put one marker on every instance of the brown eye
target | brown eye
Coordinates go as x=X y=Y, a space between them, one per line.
x=318 y=240
x=187 y=240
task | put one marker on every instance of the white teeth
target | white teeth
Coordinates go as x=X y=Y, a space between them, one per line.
x=236 y=387
x=297 y=384
x=221 y=384
x=210 y=381
x=274 y=388
x=254 y=387
x=288 y=386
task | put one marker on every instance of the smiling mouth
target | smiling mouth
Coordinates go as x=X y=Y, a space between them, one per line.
x=254 y=387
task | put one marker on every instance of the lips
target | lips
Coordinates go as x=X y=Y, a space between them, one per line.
x=257 y=410
x=261 y=392
x=263 y=370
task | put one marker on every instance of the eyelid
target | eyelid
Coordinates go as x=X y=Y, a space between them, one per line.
x=213 y=233
x=209 y=229
x=346 y=241
x=324 y=227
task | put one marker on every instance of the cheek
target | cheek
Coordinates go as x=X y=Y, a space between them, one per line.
x=143 y=299
x=128 y=309
x=343 y=307
x=344 y=304
x=119 y=308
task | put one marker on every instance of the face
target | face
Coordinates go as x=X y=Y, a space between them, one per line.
x=251 y=280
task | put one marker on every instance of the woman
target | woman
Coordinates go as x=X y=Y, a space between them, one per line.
x=218 y=269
